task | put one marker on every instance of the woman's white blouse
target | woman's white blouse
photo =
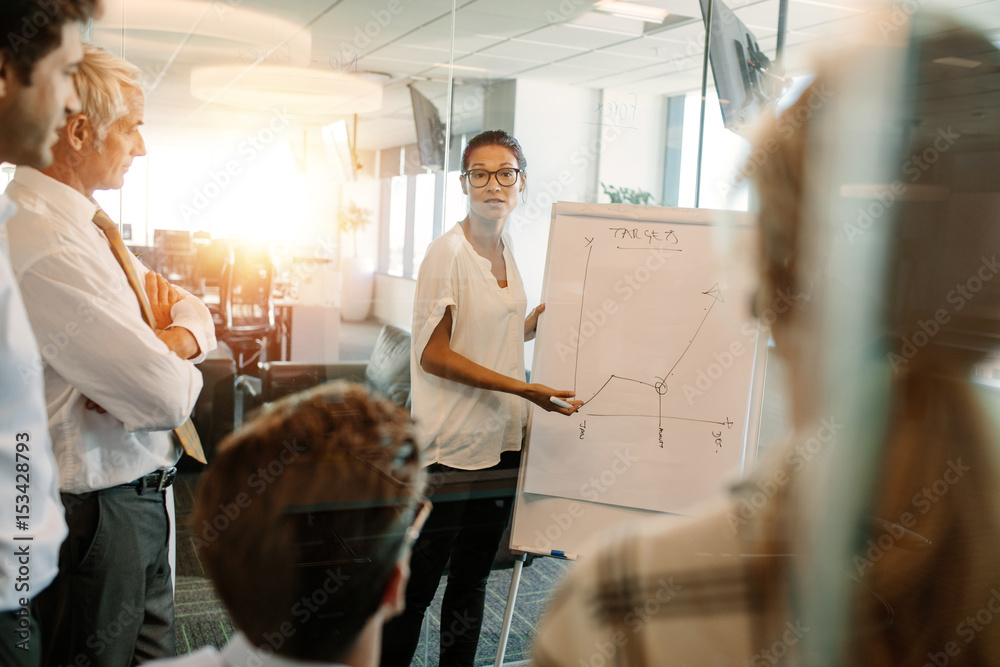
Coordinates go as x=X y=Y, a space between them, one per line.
x=462 y=426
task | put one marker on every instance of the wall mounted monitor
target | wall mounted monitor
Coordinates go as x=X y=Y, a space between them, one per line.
x=430 y=130
x=745 y=78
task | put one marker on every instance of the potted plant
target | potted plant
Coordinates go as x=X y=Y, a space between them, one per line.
x=628 y=196
x=357 y=273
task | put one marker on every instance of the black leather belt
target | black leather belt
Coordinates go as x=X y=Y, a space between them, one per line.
x=154 y=481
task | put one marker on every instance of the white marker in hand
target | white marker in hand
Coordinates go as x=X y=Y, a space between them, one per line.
x=558 y=401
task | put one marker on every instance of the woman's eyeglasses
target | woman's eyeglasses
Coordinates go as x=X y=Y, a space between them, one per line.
x=478 y=178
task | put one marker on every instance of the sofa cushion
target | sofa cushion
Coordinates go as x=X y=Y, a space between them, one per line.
x=388 y=369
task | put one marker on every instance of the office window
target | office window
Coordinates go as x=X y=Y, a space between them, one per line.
x=414 y=218
x=6 y=173
x=423 y=216
x=397 y=224
x=456 y=203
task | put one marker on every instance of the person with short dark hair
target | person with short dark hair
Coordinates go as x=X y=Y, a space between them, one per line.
x=39 y=51
x=304 y=523
x=470 y=398
x=119 y=350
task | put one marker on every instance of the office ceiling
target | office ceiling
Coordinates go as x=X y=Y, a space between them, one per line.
x=400 y=42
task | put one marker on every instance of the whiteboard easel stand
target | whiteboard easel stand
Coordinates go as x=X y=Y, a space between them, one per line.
x=704 y=92
x=753 y=426
x=508 y=614
x=748 y=453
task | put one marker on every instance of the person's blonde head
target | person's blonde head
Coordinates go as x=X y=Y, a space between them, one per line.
x=105 y=84
x=932 y=510
x=780 y=182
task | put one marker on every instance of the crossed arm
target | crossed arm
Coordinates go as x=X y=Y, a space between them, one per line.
x=162 y=297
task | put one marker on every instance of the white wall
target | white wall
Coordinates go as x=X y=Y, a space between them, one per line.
x=394 y=300
x=634 y=158
x=552 y=123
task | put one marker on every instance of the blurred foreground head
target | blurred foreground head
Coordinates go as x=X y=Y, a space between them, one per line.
x=880 y=207
x=303 y=521
x=39 y=52
x=33 y=29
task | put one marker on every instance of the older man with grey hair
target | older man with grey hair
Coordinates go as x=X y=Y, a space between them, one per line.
x=117 y=344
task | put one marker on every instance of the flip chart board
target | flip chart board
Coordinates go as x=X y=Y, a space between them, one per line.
x=647 y=319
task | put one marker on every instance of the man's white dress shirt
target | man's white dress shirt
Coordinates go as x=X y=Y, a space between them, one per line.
x=95 y=344
x=23 y=422
x=461 y=426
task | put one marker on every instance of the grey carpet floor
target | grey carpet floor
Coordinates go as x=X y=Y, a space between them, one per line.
x=201 y=619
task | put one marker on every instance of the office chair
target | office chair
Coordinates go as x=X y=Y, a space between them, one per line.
x=246 y=306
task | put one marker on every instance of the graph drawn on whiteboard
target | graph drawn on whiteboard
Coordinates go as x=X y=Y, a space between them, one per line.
x=649 y=326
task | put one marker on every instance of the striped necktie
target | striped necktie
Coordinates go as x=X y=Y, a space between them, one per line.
x=186 y=433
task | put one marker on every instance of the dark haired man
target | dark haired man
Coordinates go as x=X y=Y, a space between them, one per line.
x=311 y=558
x=39 y=51
x=119 y=346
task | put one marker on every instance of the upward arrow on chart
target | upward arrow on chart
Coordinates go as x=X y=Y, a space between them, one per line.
x=715 y=293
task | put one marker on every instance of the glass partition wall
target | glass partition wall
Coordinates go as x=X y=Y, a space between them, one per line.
x=265 y=120
x=330 y=132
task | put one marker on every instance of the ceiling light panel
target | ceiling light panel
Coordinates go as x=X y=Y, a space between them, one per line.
x=632 y=10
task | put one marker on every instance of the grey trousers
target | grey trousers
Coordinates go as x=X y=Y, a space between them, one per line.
x=112 y=602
